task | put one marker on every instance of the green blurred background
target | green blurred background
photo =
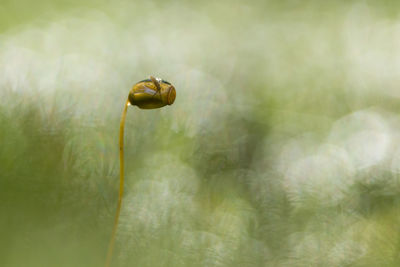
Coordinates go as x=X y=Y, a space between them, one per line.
x=281 y=149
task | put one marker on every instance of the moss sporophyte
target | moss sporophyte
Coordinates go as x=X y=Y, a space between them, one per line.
x=147 y=94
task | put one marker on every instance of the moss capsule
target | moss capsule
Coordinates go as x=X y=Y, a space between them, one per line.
x=152 y=93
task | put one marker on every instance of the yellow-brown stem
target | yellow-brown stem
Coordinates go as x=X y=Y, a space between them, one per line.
x=121 y=184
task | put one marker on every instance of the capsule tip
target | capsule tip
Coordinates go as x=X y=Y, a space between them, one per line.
x=171 y=96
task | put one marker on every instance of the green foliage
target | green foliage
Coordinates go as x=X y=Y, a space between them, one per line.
x=281 y=148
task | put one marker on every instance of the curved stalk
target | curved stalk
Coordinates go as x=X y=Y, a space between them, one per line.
x=140 y=97
x=121 y=184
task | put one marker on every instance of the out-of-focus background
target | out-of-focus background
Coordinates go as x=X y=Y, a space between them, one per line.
x=281 y=149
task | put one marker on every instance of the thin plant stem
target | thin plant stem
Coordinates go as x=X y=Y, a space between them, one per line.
x=121 y=184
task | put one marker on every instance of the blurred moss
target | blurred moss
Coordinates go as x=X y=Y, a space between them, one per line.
x=280 y=150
